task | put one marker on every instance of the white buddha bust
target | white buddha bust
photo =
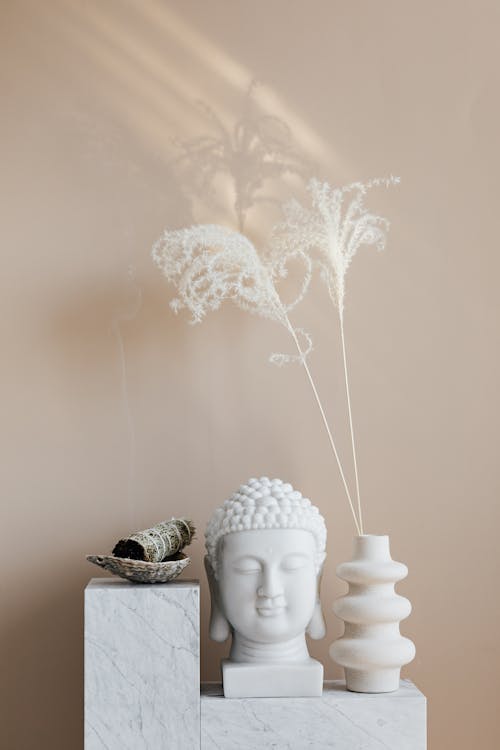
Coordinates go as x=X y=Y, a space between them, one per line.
x=265 y=552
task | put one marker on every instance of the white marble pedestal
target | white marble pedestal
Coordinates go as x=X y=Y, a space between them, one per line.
x=142 y=688
x=339 y=719
x=142 y=661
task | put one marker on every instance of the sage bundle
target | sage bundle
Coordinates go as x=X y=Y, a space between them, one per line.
x=162 y=541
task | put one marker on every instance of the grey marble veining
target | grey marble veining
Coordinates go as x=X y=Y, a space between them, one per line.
x=339 y=719
x=142 y=687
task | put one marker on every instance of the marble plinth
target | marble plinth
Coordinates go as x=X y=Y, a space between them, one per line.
x=339 y=719
x=142 y=685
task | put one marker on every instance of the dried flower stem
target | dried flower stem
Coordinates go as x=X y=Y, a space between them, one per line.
x=353 y=443
x=325 y=422
x=331 y=231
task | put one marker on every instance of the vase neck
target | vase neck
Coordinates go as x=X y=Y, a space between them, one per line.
x=372 y=547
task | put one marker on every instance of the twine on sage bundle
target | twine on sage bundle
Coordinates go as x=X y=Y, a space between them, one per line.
x=162 y=541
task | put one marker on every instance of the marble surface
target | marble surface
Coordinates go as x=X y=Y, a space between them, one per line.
x=339 y=719
x=142 y=687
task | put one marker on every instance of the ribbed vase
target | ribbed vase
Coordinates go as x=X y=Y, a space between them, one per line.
x=372 y=650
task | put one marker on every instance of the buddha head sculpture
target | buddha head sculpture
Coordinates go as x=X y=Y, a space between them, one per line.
x=265 y=552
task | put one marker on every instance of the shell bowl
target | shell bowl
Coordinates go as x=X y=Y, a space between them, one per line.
x=140 y=571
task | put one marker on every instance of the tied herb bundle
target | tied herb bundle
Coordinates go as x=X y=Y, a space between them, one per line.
x=162 y=541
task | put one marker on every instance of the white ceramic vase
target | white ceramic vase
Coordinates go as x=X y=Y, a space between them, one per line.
x=372 y=650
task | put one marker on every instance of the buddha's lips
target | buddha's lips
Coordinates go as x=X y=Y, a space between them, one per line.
x=270 y=611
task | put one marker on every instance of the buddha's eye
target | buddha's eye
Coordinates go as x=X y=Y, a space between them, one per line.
x=246 y=565
x=294 y=562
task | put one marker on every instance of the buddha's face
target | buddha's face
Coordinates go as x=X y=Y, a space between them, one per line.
x=268 y=582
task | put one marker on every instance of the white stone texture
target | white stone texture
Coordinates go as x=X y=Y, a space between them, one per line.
x=339 y=719
x=141 y=665
x=267 y=597
x=264 y=504
x=297 y=679
x=264 y=586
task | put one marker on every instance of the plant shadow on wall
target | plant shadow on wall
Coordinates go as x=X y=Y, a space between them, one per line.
x=209 y=264
x=246 y=163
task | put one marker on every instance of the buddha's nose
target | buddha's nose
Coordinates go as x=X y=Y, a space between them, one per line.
x=270 y=584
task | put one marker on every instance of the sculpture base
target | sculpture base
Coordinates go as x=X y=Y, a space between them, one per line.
x=294 y=680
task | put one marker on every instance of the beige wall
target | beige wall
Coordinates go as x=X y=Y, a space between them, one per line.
x=116 y=414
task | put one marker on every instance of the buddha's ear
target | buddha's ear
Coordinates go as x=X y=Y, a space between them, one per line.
x=219 y=629
x=317 y=628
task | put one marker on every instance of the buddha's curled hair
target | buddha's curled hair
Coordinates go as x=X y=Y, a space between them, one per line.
x=265 y=504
